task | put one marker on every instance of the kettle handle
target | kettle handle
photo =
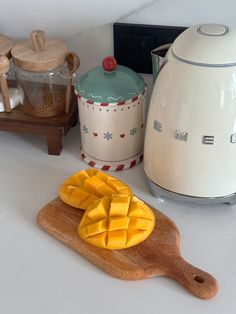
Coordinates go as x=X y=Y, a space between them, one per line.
x=158 y=50
x=159 y=59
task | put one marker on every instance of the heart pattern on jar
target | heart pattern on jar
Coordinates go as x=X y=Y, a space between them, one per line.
x=122 y=135
x=95 y=134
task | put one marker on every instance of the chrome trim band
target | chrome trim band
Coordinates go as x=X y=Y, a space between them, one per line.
x=158 y=191
x=203 y=64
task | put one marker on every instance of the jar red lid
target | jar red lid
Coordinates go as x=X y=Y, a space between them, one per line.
x=109 y=63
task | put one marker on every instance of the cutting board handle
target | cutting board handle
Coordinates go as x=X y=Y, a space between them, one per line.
x=198 y=282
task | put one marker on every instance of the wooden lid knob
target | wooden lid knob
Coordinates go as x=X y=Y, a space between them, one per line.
x=39 y=53
x=38 y=40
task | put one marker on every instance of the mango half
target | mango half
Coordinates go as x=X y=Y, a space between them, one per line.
x=84 y=187
x=116 y=222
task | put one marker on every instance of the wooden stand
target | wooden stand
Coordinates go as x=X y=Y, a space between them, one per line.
x=53 y=128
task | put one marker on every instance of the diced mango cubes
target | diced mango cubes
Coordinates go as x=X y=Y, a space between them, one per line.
x=114 y=218
x=116 y=222
x=119 y=205
x=84 y=187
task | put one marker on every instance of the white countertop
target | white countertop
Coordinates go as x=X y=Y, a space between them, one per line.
x=38 y=274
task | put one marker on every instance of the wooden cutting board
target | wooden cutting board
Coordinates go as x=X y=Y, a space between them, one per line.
x=156 y=256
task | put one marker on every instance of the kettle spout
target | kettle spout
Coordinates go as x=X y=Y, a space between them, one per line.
x=158 y=59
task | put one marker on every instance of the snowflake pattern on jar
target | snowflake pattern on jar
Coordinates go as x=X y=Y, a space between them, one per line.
x=85 y=129
x=133 y=131
x=108 y=136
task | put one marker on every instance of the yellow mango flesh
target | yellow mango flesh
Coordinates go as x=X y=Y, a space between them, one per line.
x=116 y=222
x=84 y=187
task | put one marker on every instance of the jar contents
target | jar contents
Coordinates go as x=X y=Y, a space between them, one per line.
x=42 y=75
x=43 y=93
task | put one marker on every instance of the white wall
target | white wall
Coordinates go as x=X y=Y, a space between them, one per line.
x=87 y=24
x=185 y=12
x=61 y=17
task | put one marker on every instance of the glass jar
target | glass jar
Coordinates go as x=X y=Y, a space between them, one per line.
x=44 y=71
x=43 y=93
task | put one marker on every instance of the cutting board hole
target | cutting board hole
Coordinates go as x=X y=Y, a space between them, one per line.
x=199 y=279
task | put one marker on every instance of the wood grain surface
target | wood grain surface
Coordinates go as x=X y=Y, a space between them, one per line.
x=4 y=68
x=5 y=45
x=156 y=256
x=53 y=128
x=39 y=54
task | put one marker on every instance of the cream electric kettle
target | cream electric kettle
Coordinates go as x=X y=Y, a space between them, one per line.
x=190 y=140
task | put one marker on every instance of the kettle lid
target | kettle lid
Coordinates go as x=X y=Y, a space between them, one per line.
x=206 y=44
x=110 y=83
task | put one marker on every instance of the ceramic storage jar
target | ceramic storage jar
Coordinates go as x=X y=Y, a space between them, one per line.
x=111 y=102
x=6 y=45
x=41 y=74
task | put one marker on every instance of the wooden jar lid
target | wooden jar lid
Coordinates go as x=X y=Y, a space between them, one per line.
x=6 y=45
x=39 y=54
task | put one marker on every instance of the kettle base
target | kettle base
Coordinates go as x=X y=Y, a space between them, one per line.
x=160 y=192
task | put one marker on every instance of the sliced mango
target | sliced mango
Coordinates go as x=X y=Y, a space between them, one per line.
x=99 y=209
x=93 y=185
x=88 y=201
x=85 y=187
x=116 y=222
x=99 y=239
x=119 y=205
x=96 y=227
x=140 y=224
x=136 y=236
x=116 y=239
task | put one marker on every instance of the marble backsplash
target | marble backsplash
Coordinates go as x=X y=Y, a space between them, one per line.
x=87 y=25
